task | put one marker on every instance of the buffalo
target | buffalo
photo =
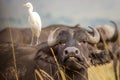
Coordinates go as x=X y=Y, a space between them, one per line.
x=109 y=40
x=72 y=46
x=24 y=35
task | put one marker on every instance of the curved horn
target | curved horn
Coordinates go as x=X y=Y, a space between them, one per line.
x=95 y=38
x=52 y=37
x=116 y=32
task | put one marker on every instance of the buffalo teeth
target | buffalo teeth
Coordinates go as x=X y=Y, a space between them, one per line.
x=72 y=57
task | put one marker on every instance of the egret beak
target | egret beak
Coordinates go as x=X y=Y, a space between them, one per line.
x=25 y=5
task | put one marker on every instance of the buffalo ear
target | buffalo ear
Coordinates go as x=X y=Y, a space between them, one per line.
x=44 y=57
x=99 y=57
x=44 y=51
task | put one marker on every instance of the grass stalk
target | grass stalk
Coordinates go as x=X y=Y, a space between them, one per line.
x=60 y=70
x=39 y=75
x=14 y=57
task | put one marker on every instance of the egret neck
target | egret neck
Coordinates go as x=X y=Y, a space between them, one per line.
x=30 y=10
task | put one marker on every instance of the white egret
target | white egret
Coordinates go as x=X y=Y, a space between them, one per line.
x=35 y=22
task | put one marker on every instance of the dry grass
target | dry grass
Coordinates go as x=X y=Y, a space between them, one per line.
x=103 y=72
x=37 y=73
x=60 y=70
x=14 y=56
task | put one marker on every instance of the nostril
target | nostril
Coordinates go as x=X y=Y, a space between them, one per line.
x=76 y=51
x=66 y=52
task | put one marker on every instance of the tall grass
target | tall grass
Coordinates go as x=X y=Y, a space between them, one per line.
x=14 y=57
x=103 y=72
x=42 y=71
x=60 y=70
x=38 y=74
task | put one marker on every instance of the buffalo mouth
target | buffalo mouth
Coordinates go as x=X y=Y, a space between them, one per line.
x=74 y=62
x=70 y=58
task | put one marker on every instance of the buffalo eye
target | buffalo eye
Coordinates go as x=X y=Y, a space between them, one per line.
x=63 y=43
x=79 y=43
x=84 y=41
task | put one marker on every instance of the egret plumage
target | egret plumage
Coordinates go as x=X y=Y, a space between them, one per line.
x=35 y=22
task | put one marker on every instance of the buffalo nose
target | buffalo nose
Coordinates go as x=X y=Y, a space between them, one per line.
x=71 y=51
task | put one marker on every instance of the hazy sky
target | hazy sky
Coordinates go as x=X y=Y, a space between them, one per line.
x=69 y=12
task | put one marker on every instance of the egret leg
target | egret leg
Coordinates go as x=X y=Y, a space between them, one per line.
x=32 y=39
x=37 y=41
x=38 y=36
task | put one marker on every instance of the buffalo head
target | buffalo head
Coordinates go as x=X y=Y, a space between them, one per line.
x=72 y=46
